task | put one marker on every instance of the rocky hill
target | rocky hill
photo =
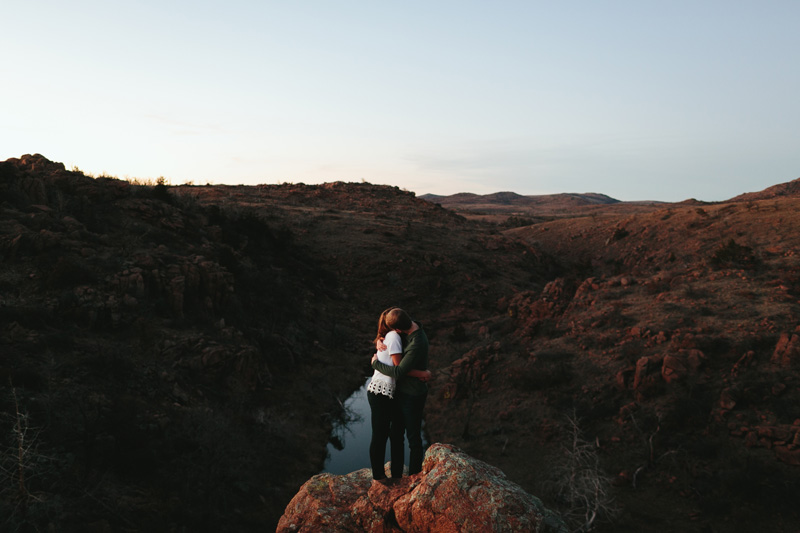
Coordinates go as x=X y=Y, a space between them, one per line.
x=788 y=189
x=178 y=354
x=454 y=492
x=671 y=341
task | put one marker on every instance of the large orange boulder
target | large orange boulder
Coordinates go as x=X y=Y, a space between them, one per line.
x=454 y=492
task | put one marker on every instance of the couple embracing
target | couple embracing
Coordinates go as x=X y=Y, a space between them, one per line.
x=397 y=393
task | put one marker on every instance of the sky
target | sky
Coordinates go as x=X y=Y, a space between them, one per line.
x=640 y=99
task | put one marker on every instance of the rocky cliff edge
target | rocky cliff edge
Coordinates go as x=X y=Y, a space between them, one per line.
x=454 y=492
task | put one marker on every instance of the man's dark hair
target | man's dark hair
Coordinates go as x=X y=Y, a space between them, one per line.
x=398 y=319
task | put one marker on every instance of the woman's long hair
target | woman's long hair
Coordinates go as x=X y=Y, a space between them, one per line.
x=383 y=328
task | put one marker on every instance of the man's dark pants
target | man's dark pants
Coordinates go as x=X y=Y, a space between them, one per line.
x=411 y=407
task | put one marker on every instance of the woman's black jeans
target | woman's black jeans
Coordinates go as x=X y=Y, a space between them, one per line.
x=411 y=407
x=387 y=424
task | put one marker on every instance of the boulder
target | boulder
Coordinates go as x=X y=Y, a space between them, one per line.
x=786 y=350
x=673 y=368
x=643 y=375
x=677 y=366
x=454 y=492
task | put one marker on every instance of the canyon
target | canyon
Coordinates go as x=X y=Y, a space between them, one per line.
x=175 y=356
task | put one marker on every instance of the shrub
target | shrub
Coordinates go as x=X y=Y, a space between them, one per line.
x=70 y=272
x=161 y=191
x=459 y=334
x=732 y=255
x=545 y=369
x=23 y=506
x=516 y=222
x=579 y=483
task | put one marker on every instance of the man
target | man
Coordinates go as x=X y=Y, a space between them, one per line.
x=411 y=393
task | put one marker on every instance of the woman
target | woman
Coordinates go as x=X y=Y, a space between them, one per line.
x=386 y=417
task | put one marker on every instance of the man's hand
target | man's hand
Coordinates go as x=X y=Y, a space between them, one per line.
x=379 y=345
x=374 y=358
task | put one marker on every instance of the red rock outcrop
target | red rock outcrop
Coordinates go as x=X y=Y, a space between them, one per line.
x=454 y=492
x=787 y=349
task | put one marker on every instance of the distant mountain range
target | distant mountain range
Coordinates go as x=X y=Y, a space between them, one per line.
x=509 y=203
x=495 y=206
x=514 y=199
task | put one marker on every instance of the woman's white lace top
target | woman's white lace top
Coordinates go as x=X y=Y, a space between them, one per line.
x=381 y=383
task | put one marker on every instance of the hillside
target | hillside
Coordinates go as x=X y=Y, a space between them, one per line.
x=671 y=338
x=790 y=188
x=179 y=354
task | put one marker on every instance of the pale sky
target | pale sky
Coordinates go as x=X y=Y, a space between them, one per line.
x=640 y=100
